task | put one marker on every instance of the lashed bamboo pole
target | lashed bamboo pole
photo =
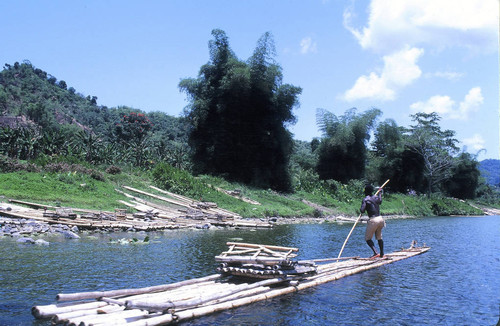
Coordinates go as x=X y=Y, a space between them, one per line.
x=180 y=291
x=115 y=318
x=122 y=292
x=200 y=300
x=257 y=246
x=65 y=316
x=252 y=260
x=325 y=259
x=48 y=311
x=163 y=297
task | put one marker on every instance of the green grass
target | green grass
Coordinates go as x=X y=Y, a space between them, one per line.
x=60 y=189
x=80 y=190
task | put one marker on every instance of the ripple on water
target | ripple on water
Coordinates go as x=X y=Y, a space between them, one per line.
x=455 y=283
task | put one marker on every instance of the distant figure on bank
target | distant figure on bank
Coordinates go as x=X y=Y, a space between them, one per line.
x=371 y=204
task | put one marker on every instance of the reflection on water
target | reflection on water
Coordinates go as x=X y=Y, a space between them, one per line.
x=455 y=283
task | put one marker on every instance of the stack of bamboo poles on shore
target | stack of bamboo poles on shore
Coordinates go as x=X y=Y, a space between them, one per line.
x=183 y=209
x=171 y=303
x=173 y=212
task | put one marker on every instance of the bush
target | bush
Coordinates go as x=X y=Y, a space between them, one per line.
x=8 y=164
x=113 y=170
x=178 y=181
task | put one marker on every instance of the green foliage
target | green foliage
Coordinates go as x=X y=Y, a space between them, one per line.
x=343 y=152
x=390 y=159
x=238 y=114
x=464 y=178
x=43 y=117
x=178 y=181
x=434 y=146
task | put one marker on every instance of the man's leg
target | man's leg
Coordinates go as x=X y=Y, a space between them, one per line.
x=372 y=246
x=381 y=246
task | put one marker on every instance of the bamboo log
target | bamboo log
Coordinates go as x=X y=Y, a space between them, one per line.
x=180 y=291
x=184 y=295
x=200 y=300
x=40 y=312
x=189 y=201
x=34 y=205
x=65 y=316
x=185 y=199
x=251 y=260
x=122 y=292
x=162 y=208
x=115 y=318
x=173 y=201
x=252 y=245
x=325 y=259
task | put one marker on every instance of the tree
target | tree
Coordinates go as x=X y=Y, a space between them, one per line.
x=434 y=146
x=133 y=131
x=390 y=159
x=238 y=114
x=464 y=179
x=342 y=151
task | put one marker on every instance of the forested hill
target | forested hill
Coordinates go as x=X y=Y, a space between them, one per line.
x=490 y=170
x=31 y=96
x=43 y=119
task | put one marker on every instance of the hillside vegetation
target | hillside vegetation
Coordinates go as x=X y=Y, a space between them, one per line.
x=74 y=186
x=60 y=147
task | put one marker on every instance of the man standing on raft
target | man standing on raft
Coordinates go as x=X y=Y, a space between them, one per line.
x=371 y=204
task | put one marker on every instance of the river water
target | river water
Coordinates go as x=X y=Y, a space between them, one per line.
x=457 y=282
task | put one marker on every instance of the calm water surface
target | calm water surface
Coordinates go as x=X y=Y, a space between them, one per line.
x=455 y=283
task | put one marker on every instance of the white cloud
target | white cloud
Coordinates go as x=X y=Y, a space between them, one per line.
x=443 y=105
x=475 y=143
x=438 y=23
x=400 y=69
x=307 y=45
x=471 y=103
x=449 y=75
x=446 y=107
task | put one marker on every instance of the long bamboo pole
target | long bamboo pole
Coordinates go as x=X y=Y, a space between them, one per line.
x=113 y=293
x=359 y=217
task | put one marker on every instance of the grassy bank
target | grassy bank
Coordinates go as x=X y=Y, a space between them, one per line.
x=73 y=188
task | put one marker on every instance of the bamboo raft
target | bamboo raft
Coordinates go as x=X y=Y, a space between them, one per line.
x=171 y=303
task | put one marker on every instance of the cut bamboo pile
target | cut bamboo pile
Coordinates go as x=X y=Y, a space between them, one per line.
x=261 y=261
x=171 y=303
x=168 y=211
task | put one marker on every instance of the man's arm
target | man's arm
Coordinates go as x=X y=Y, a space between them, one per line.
x=363 y=206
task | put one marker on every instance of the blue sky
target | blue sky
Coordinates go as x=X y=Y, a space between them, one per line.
x=402 y=57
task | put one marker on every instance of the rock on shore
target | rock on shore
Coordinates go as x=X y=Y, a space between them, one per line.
x=24 y=230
